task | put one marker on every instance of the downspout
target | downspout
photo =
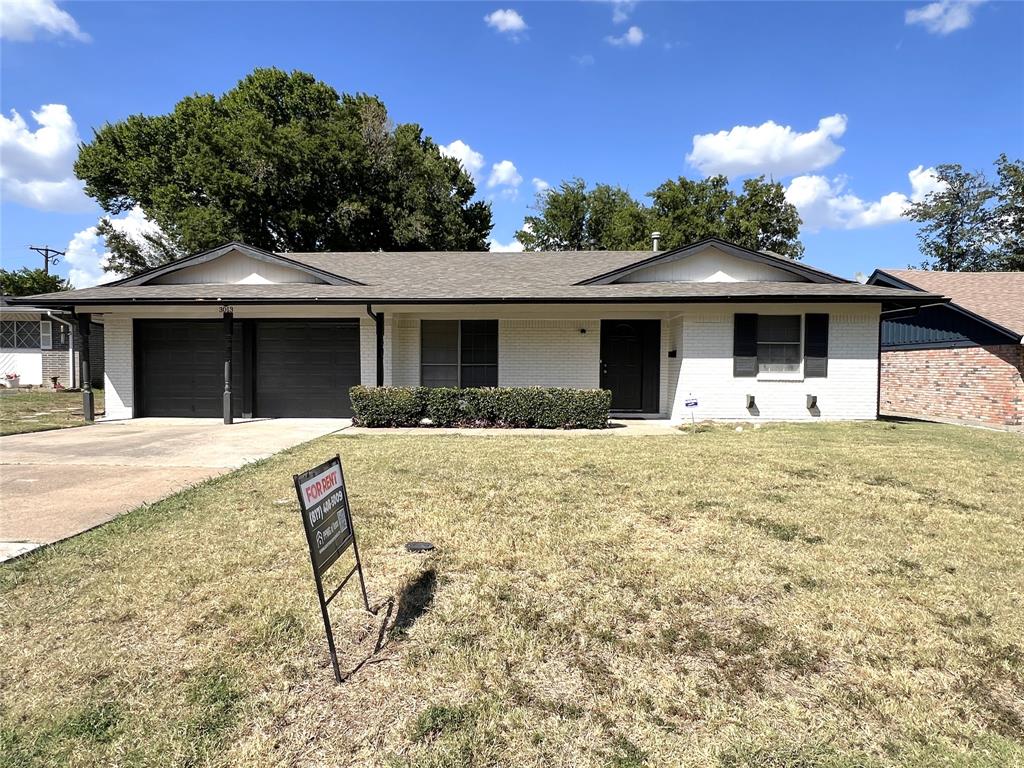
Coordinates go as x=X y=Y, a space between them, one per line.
x=378 y=319
x=71 y=346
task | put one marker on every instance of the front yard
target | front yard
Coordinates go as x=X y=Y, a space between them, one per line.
x=818 y=595
x=33 y=410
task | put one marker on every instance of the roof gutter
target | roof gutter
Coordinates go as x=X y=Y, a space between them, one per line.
x=722 y=299
x=378 y=320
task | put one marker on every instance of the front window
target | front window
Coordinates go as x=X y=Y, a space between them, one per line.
x=778 y=343
x=19 y=334
x=459 y=353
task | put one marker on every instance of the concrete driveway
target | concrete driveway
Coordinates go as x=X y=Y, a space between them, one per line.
x=59 y=483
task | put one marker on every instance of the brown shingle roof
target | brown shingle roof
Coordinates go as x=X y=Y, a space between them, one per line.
x=474 y=277
x=485 y=291
x=996 y=296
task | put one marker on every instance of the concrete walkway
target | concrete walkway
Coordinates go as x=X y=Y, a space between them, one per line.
x=59 y=483
x=617 y=428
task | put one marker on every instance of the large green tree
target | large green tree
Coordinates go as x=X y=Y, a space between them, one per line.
x=972 y=224
x=283 y=162
x=1008 y=219
x=571 y=217
x=956 y=221
x=28 y=282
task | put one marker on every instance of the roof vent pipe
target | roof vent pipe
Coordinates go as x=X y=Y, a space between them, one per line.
x=655 y=238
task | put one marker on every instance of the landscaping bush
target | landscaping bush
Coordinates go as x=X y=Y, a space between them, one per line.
x=547 y=407
x=387 y=406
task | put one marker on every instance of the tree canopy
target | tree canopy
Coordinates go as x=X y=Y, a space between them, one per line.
x=28 y=282
x=281 y=162
x=970 y=224
x=571 y=217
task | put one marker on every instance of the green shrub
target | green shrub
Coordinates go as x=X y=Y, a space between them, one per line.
x=547 y=407
x=387 y=406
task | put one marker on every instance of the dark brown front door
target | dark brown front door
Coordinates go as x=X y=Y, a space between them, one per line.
x=630 y=363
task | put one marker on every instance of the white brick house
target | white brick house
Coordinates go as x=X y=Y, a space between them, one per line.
x=749 y=335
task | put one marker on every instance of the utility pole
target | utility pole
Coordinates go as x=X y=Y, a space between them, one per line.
x=49 y=255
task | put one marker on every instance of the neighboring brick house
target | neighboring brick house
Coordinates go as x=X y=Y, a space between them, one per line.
x=749 y=335
x=960 y=362
x=40 y=344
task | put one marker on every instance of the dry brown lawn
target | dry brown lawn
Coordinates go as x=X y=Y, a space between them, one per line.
x=819 y=595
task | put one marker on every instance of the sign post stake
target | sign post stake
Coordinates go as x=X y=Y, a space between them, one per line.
x=691 y=402
x=327 y=519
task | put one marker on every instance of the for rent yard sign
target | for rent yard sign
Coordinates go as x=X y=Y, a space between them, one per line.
x=325 y=513
x=327 y=518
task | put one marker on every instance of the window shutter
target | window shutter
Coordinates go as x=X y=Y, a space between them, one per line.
x=45 y=334
x=744 y=345
x=815 y=346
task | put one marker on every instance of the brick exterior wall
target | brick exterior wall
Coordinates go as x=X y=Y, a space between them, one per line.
x=119 y=367
x=975 y=385
x=705 y=343
x=551 y=351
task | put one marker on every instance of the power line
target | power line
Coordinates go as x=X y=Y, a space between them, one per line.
x=49 y=255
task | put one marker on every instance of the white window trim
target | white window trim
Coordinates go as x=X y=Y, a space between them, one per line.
x=797 y=375
x=45 y=334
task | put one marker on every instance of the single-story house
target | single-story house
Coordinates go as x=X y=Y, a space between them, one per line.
x=962 y=361
x=744 y=333
x=40 y=345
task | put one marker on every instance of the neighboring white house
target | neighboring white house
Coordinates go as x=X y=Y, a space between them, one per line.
x=39 y=345
x=749 y=335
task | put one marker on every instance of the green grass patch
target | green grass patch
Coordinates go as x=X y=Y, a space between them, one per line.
x=36 y=410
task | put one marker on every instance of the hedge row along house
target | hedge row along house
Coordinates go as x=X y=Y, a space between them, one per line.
x=963 y=361
x=41 y=346
x=238 y=331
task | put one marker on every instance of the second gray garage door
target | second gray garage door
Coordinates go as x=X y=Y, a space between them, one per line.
x=305 y=368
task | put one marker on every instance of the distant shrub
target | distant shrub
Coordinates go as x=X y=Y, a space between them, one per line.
x=547 y=407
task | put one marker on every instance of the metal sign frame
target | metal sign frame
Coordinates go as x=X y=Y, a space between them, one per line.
x=327 y=543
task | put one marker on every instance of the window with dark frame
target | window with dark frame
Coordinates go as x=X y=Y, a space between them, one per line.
x=459 y=353
x=778 y=343
x=19 y=334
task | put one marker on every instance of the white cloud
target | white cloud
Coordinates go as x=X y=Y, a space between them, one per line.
x=506 y=21
x=514 y=247
x=924 y=181
x=622 y=10
x=20 y=20
x=944 y=16
x=504 y=174
x=539 y=185
x=87 y=254
x=585 y=60
x=471 y=160
x=825 y=204
x=633 y=37
x=768 y=148
x=36 y=166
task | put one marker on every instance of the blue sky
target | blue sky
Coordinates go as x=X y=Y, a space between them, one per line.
x=840 y=102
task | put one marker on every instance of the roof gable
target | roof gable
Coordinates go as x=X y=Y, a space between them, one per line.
x=239 y=263
x=995 y=298
x=770 y=268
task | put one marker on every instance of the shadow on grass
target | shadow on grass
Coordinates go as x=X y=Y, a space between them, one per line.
x=413 y=601
x=416 y=598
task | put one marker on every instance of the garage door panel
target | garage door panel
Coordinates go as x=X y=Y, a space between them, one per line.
x=181 y=368
x=306 y=368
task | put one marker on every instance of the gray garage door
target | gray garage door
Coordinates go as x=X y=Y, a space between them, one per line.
x=179 y=368
x=305 y=368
